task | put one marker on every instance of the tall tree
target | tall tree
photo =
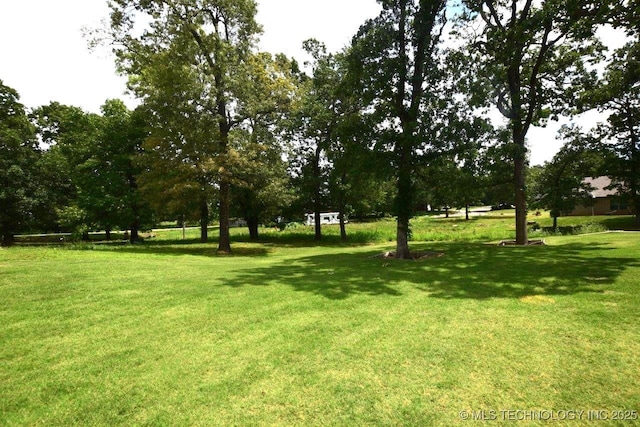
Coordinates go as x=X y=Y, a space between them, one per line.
x=90 y=169
x=261 y=187
x=19 y=177
x=187 y=64
x=618 y=94
x=559 y=186
x=528 y=54
x=112 y=171
x=260 y=180
x=173 y=182
x=331 y=134
x=70 y=135
x=355 y=180
x=395 y=57
x=316 y=120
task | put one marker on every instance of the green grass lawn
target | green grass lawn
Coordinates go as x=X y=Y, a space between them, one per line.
x=494 y=226
x=288 y=333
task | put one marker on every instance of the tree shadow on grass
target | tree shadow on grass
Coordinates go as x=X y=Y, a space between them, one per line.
x=474 y=271
x=303 y=239
x=179 y=248
x=626 y=223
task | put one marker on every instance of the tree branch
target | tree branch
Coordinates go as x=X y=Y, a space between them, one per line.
x=402 y=72
x=494 y=13
x=545 y=45
x=502 y=104
x=525 y=10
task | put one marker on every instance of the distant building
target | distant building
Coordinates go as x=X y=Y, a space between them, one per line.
x=606 y=201
x=325 y=218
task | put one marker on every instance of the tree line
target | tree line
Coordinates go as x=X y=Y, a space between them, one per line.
x=399 y=118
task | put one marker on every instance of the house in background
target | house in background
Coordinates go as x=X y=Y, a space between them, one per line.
x=606 y=201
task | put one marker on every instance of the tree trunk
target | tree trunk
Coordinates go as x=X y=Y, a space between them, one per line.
x=402 y=238
x=252 y=224
x=204 y=220
x=317 y=206
x=224 y=126
x=85 y=236
x=635 y=177
x=555 y=223
x=341 y=208
x=466 y=212
x=343 y=229
x=519 y=176
x=446 y=211
x=316 y=222
x=519 y=127
x=522 y=237
x=135 y=234
x=135 y=210
x=403 y=204
x=224 y=244
x=107 y=233
x=8 y=239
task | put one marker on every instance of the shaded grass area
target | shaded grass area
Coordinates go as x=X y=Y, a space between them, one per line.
x=171 y=333
x=493 y=226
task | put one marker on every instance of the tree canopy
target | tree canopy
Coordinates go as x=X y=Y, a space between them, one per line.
x=528 y=56
x=19 y=174
x=404 y=112
x=189 y=65
x=395 y=60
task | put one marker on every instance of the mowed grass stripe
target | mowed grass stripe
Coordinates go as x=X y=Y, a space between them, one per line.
x=172 y=334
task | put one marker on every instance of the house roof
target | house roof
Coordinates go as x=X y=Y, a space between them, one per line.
x=600 y=185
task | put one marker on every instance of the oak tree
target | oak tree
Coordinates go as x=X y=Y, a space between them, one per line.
x=528 y=55
x=19 y=176
x=395 y=56
x=618 y=95
x=187 y=64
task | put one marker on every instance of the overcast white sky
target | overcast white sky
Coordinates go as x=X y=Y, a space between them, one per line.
x=44 y=56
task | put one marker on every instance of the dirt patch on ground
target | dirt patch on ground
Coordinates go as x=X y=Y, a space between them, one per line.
x=419 y=255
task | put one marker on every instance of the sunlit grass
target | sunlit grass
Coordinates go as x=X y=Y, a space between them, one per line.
x=493 y=226
x=170 y=333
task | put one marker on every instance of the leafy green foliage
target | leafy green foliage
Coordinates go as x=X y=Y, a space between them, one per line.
x=112 y=194
x=19 y=175
x=71 y=136
x=260 y=184
x=559 y=186
x=618 y=93
x=189 y=64
x=73 y=219
x=90 y=168
x=527 y=56
x=394 y=60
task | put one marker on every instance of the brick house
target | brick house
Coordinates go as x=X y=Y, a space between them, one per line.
x=606 y=201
